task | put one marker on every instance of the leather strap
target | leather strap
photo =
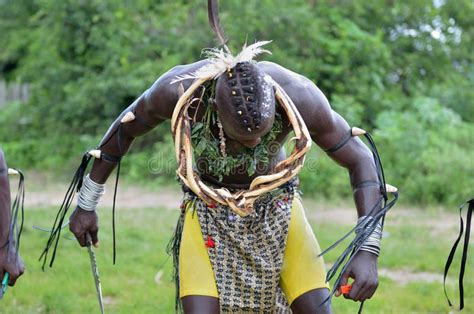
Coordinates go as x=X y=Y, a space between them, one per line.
x=110 y=158
x=341 y=143
x=364 y=184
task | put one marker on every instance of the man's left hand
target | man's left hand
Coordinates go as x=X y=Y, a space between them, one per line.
x=363 y=269
x=12 y=263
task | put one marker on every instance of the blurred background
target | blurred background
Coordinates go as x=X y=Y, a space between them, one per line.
x=402 y=70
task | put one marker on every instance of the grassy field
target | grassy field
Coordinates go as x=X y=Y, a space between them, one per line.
x=413 y=257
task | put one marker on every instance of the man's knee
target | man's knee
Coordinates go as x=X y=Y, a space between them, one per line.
x=195 y=304
x=313 y=302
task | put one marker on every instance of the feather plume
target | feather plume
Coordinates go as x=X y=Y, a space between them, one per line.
x=250 y=52
x=221 y=61
x=213 y=14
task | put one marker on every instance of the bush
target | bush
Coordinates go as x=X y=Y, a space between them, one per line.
x=427 y=152
x=86 y=61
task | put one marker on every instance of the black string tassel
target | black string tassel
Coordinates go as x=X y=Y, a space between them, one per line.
x=74 y=187
x=365 y=227
x=464 y=252
x=18 y=209
x=117 y=177
x=378 y=166
x=113 y=212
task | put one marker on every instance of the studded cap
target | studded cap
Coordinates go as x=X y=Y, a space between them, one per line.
x=248 y=94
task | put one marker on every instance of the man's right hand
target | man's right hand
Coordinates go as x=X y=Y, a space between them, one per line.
x=82 y=222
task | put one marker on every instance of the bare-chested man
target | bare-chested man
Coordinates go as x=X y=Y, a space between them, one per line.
x=327 y=128
x=232 y=263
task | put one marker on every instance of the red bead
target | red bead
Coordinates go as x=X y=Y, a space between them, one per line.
x=210 y=242
x=212 y=205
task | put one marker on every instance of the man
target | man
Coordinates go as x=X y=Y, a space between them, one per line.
x=242 y=262
x=10 y=260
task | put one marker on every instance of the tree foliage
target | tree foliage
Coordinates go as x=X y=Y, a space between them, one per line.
x=402 y=69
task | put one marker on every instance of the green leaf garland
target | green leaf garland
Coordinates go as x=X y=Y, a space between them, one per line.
x=206 y=145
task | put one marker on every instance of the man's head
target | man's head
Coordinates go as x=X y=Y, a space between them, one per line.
x=245 y=101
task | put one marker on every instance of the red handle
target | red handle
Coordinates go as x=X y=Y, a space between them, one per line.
x=345 y=289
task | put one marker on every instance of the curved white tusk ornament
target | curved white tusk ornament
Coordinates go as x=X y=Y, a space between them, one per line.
x=95 y=153
x=390 y=188
x=129 y=116
x=13 y=172
x=357 y=131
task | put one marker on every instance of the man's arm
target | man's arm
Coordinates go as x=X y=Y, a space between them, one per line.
x=153 y=107
x=9 y=260
x=328 y=129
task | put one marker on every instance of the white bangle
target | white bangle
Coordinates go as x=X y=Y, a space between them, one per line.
x=90 y=194
x=373 y=242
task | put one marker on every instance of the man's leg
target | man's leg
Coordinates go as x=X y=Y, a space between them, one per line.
x=196 y=304
x=198 y=290
x=312 y=302
x=303 y=277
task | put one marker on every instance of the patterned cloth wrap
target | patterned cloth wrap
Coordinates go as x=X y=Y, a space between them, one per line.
x=248 y=253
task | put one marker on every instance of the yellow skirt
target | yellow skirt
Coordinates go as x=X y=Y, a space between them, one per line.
x=302 y=269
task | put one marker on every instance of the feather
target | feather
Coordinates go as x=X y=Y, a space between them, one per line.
x=221 y=61
x=213 y=14
x=250 y=52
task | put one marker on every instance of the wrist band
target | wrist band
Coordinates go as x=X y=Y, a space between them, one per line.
x=90 y=194
x=373 y=242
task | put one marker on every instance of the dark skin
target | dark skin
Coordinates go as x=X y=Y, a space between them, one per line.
x=326 y=127
x=10 y=261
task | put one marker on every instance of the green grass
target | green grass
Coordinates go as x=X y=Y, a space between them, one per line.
x=130 y=287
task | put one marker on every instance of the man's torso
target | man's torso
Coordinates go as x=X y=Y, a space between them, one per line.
x=296 y=86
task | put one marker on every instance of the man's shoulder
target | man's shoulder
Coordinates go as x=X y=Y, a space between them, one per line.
x=162 y=96
x=164 y=81
x=304 y=93
x=283 y=76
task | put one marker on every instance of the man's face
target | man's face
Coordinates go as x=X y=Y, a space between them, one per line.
x=246 y=104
